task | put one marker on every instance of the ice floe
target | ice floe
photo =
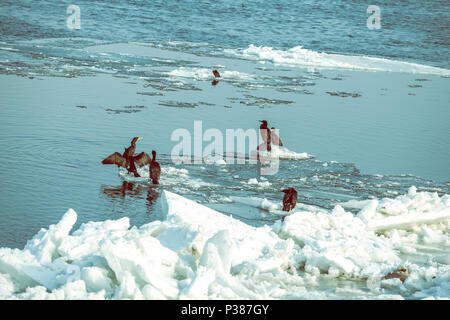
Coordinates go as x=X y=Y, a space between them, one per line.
x=299 y=56
x=198 y=253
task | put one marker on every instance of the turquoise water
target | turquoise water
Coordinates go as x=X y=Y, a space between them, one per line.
x=69 y=98
x=410 y=30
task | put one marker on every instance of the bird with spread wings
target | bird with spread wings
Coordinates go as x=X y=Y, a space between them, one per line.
x=128 y=160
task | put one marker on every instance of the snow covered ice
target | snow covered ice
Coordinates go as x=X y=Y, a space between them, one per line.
x=308 y=58
x=391 y=249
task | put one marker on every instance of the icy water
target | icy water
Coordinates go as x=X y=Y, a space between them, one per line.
x=369 y=107
x=71 y=97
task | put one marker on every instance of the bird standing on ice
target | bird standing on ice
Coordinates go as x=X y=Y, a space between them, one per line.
x=155 y=169
x=265 y=134
x=290 y=199
x=275 y=138
x=216 y=75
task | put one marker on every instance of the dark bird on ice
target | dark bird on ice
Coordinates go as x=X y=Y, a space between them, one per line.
x=275 y=139
x=265 y=134
x=290 y=199
x=127 y=159
x=155 y=169
x=216 y=73
x=129 y=152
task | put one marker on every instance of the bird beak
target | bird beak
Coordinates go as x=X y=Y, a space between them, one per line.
x=140 y=138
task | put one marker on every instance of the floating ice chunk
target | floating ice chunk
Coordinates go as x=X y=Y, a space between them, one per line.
x=141 y=256
x=7 y=287
x=96 y=279
x=199 y=253
x=355 y=204
x=198 y=288
x=220 y=162
x=174 y=171
x=44 y=245
x=404 y=211
x=369 y=210
x=391 y=283
x=281 y=153
x=258 y=203
x=340 y=240
x=207 y=222
x=128 y=288
x=262 y=184
x=25 y=269
x=310 y=59
x=178 y=239
x=330 y=260
x=85 y=241
x=217 y=253
x=409 y=219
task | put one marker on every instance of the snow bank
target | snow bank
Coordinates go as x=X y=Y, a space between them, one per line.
x=199 y=253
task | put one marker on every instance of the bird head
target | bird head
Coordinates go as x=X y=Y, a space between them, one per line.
x=135 y=139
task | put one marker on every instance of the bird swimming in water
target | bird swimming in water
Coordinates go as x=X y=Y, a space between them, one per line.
x=216 y=73
x=155 y=169
x=275 y=139
x=289 y=199
x=127 y=159
x=265 y=134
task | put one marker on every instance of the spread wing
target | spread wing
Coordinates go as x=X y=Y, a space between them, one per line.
x=117 y=159
x=276 y=139
x=142 y=159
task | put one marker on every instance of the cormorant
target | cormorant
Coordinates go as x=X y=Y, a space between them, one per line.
x=265 y=134
x=275 y=138
x=129 y=152
x=155 y=169
x=127 y=159
x=290 y=199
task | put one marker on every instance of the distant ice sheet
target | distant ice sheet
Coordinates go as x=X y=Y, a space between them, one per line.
x=299 y=56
